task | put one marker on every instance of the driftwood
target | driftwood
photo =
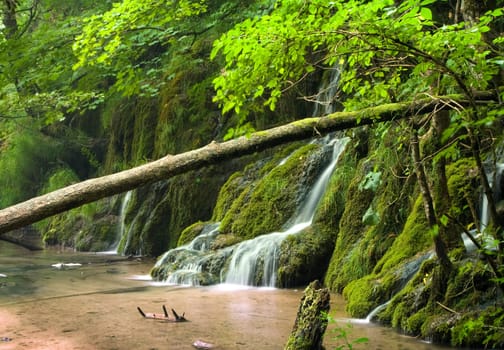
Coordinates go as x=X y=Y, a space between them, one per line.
x=164 y=316
x=311 y=320
x=75 y=195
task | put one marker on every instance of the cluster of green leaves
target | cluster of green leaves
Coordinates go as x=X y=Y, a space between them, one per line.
x=131 y=39
x=36 y=67
x=387 y=52
x=24 y=160
x=343 y=335
x=37 y=88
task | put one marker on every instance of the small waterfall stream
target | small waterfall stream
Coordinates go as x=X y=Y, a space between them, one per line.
x=258 y=256
x=487 y=241
x=122 y=213
x=188 y=260
x=406 y=273
x=196 y=264
x=262 y=252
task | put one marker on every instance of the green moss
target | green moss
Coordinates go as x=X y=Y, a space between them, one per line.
x=304 y=257
x=480 y=328
x=350 y=229
x=226 y=240
x=414 y=322
x=363 y=295
x=229 y=192
x=332 y=204
x=241 y=183
x=414 y=238
x=190 y=233
x=263 y=207
x=471 y=285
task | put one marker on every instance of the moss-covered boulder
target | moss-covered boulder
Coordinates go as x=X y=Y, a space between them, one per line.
x=304 y=257
x=265 y=205
x=398 y=264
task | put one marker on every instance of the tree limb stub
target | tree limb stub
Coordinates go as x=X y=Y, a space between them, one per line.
x=41 y=207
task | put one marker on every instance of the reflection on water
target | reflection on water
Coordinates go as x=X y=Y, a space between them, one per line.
x=51 y=273
x=31 y=276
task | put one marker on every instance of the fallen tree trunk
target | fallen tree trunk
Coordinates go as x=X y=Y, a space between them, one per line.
x=75 y=195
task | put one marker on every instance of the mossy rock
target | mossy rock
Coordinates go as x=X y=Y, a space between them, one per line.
x=463 y=182
x=438 y=327
x=413 y=324
x=471 y=286
x=225 y=240
x=190 y=233
x=481 y=327
x=265 y=206
x=100 y=236
x=363 y=295
x=350 y=231
x=413 y=239
x=304 y=257
x=311 y=320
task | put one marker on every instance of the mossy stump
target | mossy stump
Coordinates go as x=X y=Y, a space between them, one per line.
x=311 y=319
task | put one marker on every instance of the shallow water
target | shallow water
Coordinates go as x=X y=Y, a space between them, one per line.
x=91 y=304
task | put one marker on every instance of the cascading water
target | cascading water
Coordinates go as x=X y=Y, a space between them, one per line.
x=405 y=273
x=486 y=239
x=186 y=262
x=262 y=252
x=196 y=264
x=324 y=103
x=121 y=227
x=124 y=205
x=259 y=256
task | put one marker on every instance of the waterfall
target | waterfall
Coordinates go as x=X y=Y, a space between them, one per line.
x=197 y=264
x=122 y=214
x=375 y=311
x=262 y=252
x=121 y=227
x=487 y=240
x=324 y=103
x=185 y=263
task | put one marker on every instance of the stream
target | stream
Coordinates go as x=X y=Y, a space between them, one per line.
x=64 y=300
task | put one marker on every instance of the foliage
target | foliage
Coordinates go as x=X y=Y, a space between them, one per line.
x=37 y=65
x=388 y=53
x=342 y=335
x=131 y=39
x=138 y=41
x=18 y=175
x=481 y=328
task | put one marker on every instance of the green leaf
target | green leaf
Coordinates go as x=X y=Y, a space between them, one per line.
x=444 y=220
x=426 y=14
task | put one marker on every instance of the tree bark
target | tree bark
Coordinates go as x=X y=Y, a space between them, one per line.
x=440 y=279
x=311 y=320
x=75 y=195
x=9 y=19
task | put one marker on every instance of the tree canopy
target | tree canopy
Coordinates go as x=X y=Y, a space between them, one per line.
x=385 y=52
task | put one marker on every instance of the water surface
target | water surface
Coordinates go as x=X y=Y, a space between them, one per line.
x=91 y=304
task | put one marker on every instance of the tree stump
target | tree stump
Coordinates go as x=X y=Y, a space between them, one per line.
x=311 y=319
